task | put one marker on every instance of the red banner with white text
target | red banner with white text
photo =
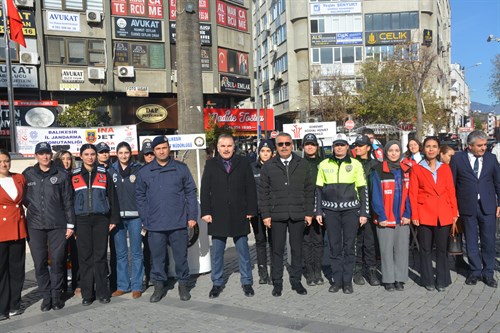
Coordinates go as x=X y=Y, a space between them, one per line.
x=240 y=119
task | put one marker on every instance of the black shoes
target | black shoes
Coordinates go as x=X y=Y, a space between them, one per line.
x=372 y=277
x=310 y=279
x=87 y=302
x=490 y=281
x=104 y=300
x=440 y=289
x=13 y=313
x=215 y=292
x=429 y=288
x=358 y=276
x=277 y=289
x=263 y=275
x=471 y=280
x=248 y=290
x=184 y=294
x=318 y=279
x=389 y=286
x=46 y=304
x=347 y=289
x=57 y=303
x=399 y=286
x=334 y=288
x=158 y=293
x=299 y=288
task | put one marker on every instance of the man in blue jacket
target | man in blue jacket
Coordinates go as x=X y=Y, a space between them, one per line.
x=167 y=204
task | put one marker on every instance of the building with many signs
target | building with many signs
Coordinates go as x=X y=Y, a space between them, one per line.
x=300 y=44
x=125 y=52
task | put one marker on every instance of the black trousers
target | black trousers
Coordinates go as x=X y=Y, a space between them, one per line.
x=147 y=257
x=427 y=235
x=341 y=228
x=313 y=247
x=262 y=237
x=178 y=241
x=12 y=259
x=44 y=243
x=365 y=245
x=112 y=274
x=92 y=242
x=296 y=233
x=71 y=255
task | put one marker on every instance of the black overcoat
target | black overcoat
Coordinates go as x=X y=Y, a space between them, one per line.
x=228 y=197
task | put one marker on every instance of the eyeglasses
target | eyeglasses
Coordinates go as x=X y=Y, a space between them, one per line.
x=281 y=144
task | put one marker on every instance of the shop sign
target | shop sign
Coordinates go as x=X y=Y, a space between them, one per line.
x=71 y=139
x=72 y=76
x=22 y=76
x=28 y=113
x=203 y=12
x=239 y=119
x=205 y=33
x=336 y=8
x=235 y=85
x=28 y=19
x=137 y=28
x=387 y=37
x=134 y=91
x=321 y=130
x=427 y=37
x=151 y=113
x=144 y=8
x=63 y=21
x=180 y=142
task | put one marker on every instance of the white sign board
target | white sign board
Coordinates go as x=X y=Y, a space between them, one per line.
x=72 y=139
x=334 y=8
x=180 y=142
x=22 y=76
x=72 y=76
x=63 y=21
x=321 y=130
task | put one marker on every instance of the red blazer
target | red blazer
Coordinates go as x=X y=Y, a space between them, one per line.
x=431 y=201
x=12 y=220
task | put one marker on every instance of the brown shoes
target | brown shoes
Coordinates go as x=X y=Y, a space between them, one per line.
x=136 y=294
x=118 y=293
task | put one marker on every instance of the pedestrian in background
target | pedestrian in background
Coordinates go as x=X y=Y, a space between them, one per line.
x=228 y=203
x=66 y=160
x=312 y=246
x=123 y=172
x=262 y=234
x=166 y=200
x=390 y=202
x=50 y=219
x=13 y=235
x=413 y=154
x=342 y=196
x=286 y=202
x=147 y=157
x=434 y=210
x=366 y=254
x=97 y=213
x=477 y=176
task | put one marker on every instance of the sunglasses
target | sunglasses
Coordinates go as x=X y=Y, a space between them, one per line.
x=281 y=144
x=103 y=152
x=149 y=154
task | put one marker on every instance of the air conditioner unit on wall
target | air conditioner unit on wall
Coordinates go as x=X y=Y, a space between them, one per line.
x=24 y=3
x=94 y=16
x=96 y=73
x=29 y=58
x=126 y=71
x=279 y=76
x=173 y=76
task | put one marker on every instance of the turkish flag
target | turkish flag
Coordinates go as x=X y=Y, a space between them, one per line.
x=15 y=23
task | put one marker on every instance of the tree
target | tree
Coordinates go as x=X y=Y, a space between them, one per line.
x=214 y=131
x=85 y=113
x=478 y=125
x=436 y=116
x=495 y=79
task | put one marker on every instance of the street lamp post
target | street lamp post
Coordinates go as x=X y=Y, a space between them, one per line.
x=492 y=38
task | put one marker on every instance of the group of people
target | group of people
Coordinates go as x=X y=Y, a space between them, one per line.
x=339 y=213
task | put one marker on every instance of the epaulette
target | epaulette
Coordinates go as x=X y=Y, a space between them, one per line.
x=101 y=169
x=77 y=171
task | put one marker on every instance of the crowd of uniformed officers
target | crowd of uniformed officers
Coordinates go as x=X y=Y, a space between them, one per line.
x=340 y=213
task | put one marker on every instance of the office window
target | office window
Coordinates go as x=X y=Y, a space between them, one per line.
x=315 y=56
x=326 y=55
x=391 y=21
x=55 y=50
x=331 y=55
x=76 y=52
x=96 y=53
x=139 y=55
x=77 y=5
x=13 y=50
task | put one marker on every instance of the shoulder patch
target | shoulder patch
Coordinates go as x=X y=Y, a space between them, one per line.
x=77 y=171
x=101 y=169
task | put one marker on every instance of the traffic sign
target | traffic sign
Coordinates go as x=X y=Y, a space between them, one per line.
x=274 y=134
x=349 y=124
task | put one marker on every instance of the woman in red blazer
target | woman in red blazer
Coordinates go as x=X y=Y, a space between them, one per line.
x=434 y=210
x=12 y=238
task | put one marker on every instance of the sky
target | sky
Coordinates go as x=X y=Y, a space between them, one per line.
x=471 y=23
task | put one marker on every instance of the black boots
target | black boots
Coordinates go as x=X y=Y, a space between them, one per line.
x=184 y=294
x=159 y=292
x=357 y=276
x=372 y=277
x=263 y=275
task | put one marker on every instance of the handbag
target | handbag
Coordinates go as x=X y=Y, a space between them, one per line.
x=455 y=241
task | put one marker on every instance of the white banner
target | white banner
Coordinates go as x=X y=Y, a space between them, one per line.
x=180 y=142
x=321 y=130
x=22 y=76
x=336 y=8
x=71 y=139
x=63 y=21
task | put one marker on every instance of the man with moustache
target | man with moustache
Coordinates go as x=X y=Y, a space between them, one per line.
x=50 y=219
x=286 y=202
x=228 y=203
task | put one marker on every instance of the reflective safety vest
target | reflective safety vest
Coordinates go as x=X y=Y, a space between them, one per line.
x=90 y=199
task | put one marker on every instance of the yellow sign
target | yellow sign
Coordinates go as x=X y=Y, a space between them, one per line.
x=387 y=37
x=151 y=113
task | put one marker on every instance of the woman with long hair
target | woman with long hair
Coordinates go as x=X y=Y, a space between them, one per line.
x=13 y=235
x=123 y=172
x=434 y=211
x=413 y=154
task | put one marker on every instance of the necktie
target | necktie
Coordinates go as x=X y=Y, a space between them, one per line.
x=287 y=176
x=476 y=167
x=227 y=165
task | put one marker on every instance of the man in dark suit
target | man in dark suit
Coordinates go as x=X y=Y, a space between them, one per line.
x=228 y=202
x=286 y=201
x=477 y=181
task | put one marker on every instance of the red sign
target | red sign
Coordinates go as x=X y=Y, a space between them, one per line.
x=274 y=134
x=231 y=16
x=349 y=124
x=202 y=10
x=142 y=8
x=241 y=120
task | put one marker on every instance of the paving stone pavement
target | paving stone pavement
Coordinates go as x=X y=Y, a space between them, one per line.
x=460 y=308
